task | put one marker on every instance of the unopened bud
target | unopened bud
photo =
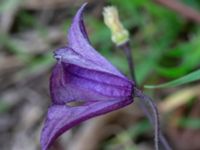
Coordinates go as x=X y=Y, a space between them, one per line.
x=111 y=18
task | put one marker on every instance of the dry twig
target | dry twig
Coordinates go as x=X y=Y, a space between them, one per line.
x=182 y=9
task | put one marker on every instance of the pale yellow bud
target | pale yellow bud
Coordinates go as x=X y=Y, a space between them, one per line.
x=111 y=18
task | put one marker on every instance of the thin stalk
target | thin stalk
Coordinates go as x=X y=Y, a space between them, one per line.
x=126 y=48
x=151 y=119
x=155 y=119
x=148 y=100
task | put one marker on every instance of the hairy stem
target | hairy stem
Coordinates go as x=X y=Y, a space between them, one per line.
x=154 y=120
x=148 y=100
x=151 y=119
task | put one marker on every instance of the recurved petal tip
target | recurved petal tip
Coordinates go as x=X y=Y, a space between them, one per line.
x=77 y=29
x=78 y=41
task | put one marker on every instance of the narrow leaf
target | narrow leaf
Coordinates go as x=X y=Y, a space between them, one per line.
x=194 y=76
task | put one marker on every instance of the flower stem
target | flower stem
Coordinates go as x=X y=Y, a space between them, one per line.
x=148 y=100
x=162 y=139
x=155 y=119
x=126 y=48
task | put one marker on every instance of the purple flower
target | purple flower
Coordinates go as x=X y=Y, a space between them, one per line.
x=82 y=75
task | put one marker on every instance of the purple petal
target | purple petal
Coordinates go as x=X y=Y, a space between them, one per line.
x=82 y=74
x=102 y=92
x=78 y=41
x=60 y=117
x=70 y=82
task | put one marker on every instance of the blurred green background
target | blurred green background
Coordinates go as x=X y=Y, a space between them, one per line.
x=165 y=47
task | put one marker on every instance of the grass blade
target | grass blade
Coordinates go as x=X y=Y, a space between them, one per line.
x=194 y=76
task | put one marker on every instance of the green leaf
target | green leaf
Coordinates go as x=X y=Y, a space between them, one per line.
x=191 y=123
x=194 y=76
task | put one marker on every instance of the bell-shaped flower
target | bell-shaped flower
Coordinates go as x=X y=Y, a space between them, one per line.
x=83 y=85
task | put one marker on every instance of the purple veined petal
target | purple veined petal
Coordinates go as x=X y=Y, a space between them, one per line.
x=68 y=55
x=61 y=117
x=70 y=82
x=78 y=41
x=82 y=74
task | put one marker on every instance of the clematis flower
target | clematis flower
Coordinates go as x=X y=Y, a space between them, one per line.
x=85 y=78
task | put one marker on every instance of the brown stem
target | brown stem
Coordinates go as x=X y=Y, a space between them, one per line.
x=182 y=9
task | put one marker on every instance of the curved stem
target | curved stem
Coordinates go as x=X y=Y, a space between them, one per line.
x=148 y=100
x=158 y=133
x=151 y=119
